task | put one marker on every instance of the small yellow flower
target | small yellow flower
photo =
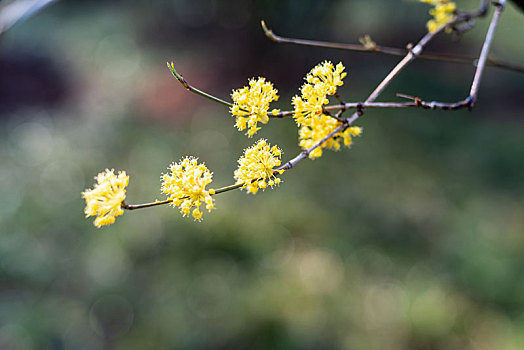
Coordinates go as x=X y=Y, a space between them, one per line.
x=326 y=73
x=321 y=81
x=310 y=104
x=318 y=128
x=443 y=13
x=106 y=198
x=257 y=165
x=186 y=185
x=251 y=105
x=349 y=132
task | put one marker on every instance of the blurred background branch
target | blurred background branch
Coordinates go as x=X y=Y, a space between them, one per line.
x=16 y=11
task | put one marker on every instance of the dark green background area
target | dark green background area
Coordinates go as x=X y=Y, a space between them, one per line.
x=411 y=239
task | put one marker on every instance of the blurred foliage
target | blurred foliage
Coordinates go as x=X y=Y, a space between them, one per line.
x=413 y=239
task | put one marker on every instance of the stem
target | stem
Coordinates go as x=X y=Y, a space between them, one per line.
x=304 y=154
x=394 y=51
x=144 y=205
x=473 y=94
x=499 y=6
x=167 y=201
x=229 y=188
x=435 y=104
x=353 y=105
x=184 y=83
x=417 y=103
x=413 y=53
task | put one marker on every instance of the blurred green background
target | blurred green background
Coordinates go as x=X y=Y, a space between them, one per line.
x=412 y=239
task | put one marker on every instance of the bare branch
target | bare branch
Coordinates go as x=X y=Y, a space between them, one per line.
x=167 y=201
x=393 y=51
x=413 y=52
x=473 y=94
x=144 y=205
x=185 y=84
x=304 y=154
x=499 y=6
x=436 y=104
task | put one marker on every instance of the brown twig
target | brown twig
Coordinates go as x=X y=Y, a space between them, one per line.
x=469 y=101
x=167 y=201
x=185 y=84
x=394 y=51
x=436 y=104
x=473 y=94
x=352 y=105
x=413 y=53
x=144 y=205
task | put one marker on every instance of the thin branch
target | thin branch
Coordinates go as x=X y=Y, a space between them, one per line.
x=468 y=16
x=185 y=84
x=411 y=55
x=283 y=114
x=334 y=116
x=304 y=154
x=473 y=94
x=167 y=201
x=467 y=102
x=229 y=188
x=351 y=105
x=436 y=104
x=144 y=205
x=415 y=52
x=393 y=51
x=499 y=6
x=417 y=103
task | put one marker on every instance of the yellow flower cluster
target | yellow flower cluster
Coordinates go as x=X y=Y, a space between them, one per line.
x=328 y=76
x=251 y=104
x=185 y=185
x=318 y=128
x=321 y=81
x=106 y=198
x=443 y=13
x=256 y=166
